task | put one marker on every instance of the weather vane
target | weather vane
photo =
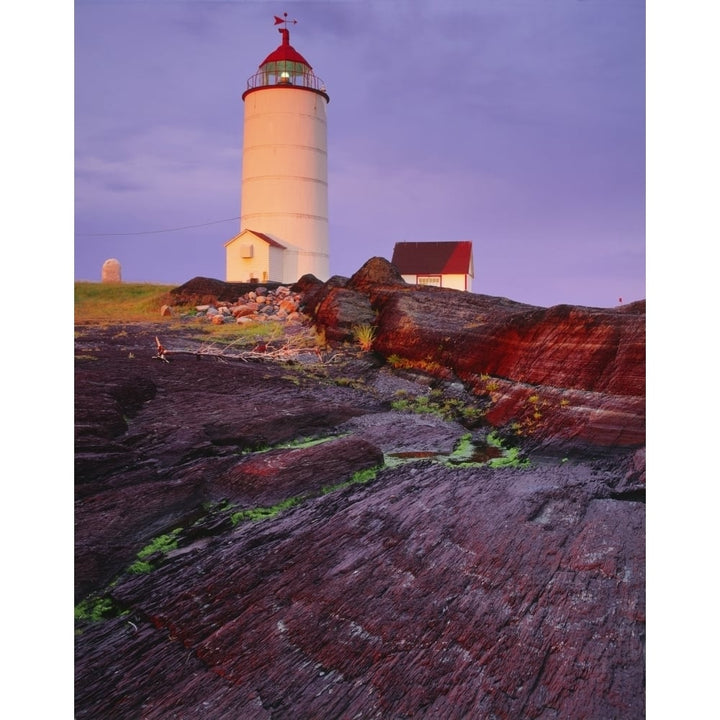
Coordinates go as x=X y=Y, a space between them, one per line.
x=279 y=20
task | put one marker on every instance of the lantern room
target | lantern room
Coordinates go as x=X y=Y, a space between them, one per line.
x=286 y=67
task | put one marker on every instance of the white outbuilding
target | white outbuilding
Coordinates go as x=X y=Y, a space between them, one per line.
x=442 y=264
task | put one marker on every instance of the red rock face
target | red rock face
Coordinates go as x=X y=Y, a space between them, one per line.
x=578 y=371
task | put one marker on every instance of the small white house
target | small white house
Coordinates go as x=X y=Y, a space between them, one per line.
x=443 y=264
x=253 y=256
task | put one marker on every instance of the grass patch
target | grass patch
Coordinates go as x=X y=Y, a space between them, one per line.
x=429 y=366
x=140 y=567
x=306 y=442
x=120 y=302
x=162 y=543
x=96 y=608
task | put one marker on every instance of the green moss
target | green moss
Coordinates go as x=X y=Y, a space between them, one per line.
x=494 y=440
x=511 y=458
x=263 y=513
x=139 y=567
x=94 y=609
x=435 y=403
x=306 y=442
x=464 y=449
x=360 y=477
x=162 y=543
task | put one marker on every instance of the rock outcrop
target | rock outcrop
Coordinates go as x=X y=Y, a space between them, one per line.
x=557 y=376
x=332 y=537
x=431 y=593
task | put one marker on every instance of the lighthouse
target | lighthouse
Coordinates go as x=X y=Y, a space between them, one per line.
x=284 y=192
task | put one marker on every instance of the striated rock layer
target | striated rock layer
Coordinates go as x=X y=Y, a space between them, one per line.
x=257 y=539
x=553 y=374
x=432 y=593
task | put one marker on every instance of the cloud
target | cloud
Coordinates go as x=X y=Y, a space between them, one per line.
x=166 y=176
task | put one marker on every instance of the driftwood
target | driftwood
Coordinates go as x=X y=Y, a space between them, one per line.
x=161 y=351
x=289 y=351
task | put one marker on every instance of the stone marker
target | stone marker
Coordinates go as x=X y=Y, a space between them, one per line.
x=111 y=271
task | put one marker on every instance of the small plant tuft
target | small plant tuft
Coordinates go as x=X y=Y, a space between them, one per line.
x=364 y=335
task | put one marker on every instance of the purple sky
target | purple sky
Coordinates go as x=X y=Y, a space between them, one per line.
x=516 y=124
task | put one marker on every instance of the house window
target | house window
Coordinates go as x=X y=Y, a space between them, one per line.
x=430 y=280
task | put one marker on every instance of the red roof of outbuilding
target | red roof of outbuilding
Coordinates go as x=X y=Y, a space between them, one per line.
x=285 y=52
x=259 y=235
x=433 y=258
x=267 y=239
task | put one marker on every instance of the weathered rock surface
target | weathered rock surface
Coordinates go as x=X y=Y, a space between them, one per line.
x=431 y=593
x=425 y=589
x=135 y=471
x=559 y=374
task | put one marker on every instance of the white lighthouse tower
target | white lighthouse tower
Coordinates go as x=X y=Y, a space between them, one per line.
x=284 y=195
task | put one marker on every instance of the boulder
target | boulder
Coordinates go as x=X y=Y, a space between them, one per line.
x=376 y=271
x=266 y=479
x=340 y=310
x=243 y=310
x=207 y=290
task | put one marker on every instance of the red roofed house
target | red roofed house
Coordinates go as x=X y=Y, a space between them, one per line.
x=254 y=256
x=443 y=264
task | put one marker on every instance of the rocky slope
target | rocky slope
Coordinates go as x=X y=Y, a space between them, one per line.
x=559 y=374
x=333 y=537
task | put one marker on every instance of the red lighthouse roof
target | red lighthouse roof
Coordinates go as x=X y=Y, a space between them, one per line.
x=285 y=68
x=285 y=52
